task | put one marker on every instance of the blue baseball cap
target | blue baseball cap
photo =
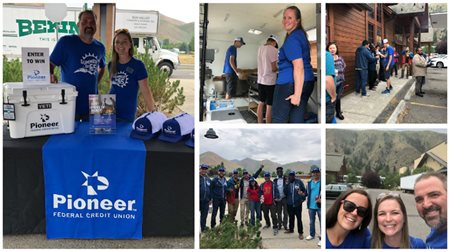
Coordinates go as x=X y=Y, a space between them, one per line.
x=315 y=169
x=235 y=171
x=147 y=125
x=292 y=173
x=204 y=166
x=267 y=174
x=191 y=140
x=176 y=128
x=221 y=169
x=245 y=172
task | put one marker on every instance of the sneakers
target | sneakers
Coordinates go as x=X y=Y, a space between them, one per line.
x=386 y=91
x=309 y=237
x=391 y=87
x=289 y=231
x=318 y=244
x=266 y=227
x=300 y=236
x=275 y=231
x=365 y=95
x=419 y=94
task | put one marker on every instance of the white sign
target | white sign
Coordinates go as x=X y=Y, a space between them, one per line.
x=138 y=22
x=35 y=65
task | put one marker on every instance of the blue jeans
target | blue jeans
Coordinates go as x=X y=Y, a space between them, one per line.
x=283 y=111
x=361 y=81
x=312 y=221
x=217 y=204
x=204 y=207
x=255 y=206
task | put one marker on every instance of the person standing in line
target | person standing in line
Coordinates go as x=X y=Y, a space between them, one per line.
x=389 y=64
x=233 y=195
x=268 y=192
x=267 y=76
x=339 y=67
x=363 y=57
x=419 y=66
x=313 y=202
x=280 y=201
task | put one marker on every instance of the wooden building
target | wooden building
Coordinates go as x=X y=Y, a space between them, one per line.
x=349 y=24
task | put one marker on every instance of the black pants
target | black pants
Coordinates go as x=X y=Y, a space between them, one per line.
x=372 y=78
x=295 y=212
x=266 y=208
x=217 y=204
x=329 y=112
x=204 y=207
x=282 y=215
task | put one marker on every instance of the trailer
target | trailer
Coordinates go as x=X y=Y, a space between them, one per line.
x=407 y=183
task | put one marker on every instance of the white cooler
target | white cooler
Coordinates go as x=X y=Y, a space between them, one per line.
x=40 y=109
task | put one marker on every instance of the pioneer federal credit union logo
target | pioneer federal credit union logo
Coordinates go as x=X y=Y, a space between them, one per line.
x=43 y=123
x=66 y=206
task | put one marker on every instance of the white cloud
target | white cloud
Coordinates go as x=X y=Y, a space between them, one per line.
x=277 y=145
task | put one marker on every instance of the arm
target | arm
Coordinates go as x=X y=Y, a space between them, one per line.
x=258 y=172
x=147 y=93
x=53 y=78
x=233 y=65
x=101 y=71
x=389 y=62
x=331 y=89
x=274 y=67
x=299 y=78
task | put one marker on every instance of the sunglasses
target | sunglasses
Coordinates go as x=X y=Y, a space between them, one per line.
x=384 y=195
x=350 y=207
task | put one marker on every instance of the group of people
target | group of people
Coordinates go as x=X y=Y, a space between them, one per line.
x=81 y=59
x=347 y=220
x=373 y=65
x=285 y=75
x=282 y=198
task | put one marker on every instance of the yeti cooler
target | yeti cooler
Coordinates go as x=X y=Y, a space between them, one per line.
x=37 y=110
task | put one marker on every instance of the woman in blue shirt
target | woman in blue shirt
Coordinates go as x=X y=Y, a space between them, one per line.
x=390 y=227
x=347 y=221
x=295 y=81
x=128 y=75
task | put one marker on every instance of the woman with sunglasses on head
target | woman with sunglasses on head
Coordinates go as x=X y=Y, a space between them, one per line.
x=390 y=227
x=347 y=220
x=295 y=82
x=128 y=75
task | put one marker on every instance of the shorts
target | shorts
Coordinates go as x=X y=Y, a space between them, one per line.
x=231 y=81
x=266 y=93
x=387 y=74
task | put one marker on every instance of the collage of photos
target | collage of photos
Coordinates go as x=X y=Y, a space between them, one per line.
x=224 y=125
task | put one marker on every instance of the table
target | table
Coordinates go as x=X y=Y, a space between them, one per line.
x=168 y=187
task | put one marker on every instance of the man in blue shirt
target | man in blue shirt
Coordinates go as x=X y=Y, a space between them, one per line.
x=295 y=195
x=230 y=67
x=389 y=64
x=205 y=195
x=218 y=191
x=363 y=57
x=82 y=61
x=330 y=87
x=430 y=194
x=313 y=202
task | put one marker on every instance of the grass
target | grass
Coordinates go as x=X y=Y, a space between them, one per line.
x=187 y=58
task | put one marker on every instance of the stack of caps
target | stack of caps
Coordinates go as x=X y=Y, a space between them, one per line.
x=177 y=128
x=190 y=142
x=148 y=125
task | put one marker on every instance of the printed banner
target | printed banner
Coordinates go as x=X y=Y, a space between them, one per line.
x=94 y=184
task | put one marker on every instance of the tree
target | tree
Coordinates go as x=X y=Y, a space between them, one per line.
x=192 y=45
x=351 y=178
x=441 y=47
x=392 y=181
x=371 y=179
x=421 y=170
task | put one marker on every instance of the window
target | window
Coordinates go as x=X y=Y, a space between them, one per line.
x=379 y=12
x=136 y=42
x=370 y=30
x=370 y=13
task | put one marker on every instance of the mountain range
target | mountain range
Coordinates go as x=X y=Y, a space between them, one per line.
x=381 y=149
x=251 y=165
x=174 y=30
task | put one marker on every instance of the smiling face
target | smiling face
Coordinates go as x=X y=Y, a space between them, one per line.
x=332 y=48
x=87 y=26
x=351 y=220
x=122 y=44
x=431 y=201
x=290 y=21
x=390 y=217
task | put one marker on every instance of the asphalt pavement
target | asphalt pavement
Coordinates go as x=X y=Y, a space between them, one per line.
x=432 y=107
x=416 y=225
x=185 y=74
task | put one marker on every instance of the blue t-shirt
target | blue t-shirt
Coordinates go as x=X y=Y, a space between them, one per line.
x=437 y=240
x=296 y=46
x=315 y=191
x=414 y=243
x=79 y=64
x=329 y=70
x=389 y=52
x=125 y=85
x=232 y=51
x=353 y=240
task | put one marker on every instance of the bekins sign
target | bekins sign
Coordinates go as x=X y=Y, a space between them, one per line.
x=27 y=27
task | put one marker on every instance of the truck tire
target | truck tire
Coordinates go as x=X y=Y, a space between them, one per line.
x=439 y=65
x=166 y=67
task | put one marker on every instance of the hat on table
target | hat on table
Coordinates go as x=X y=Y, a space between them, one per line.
x=147 y=125
x=176 y=128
